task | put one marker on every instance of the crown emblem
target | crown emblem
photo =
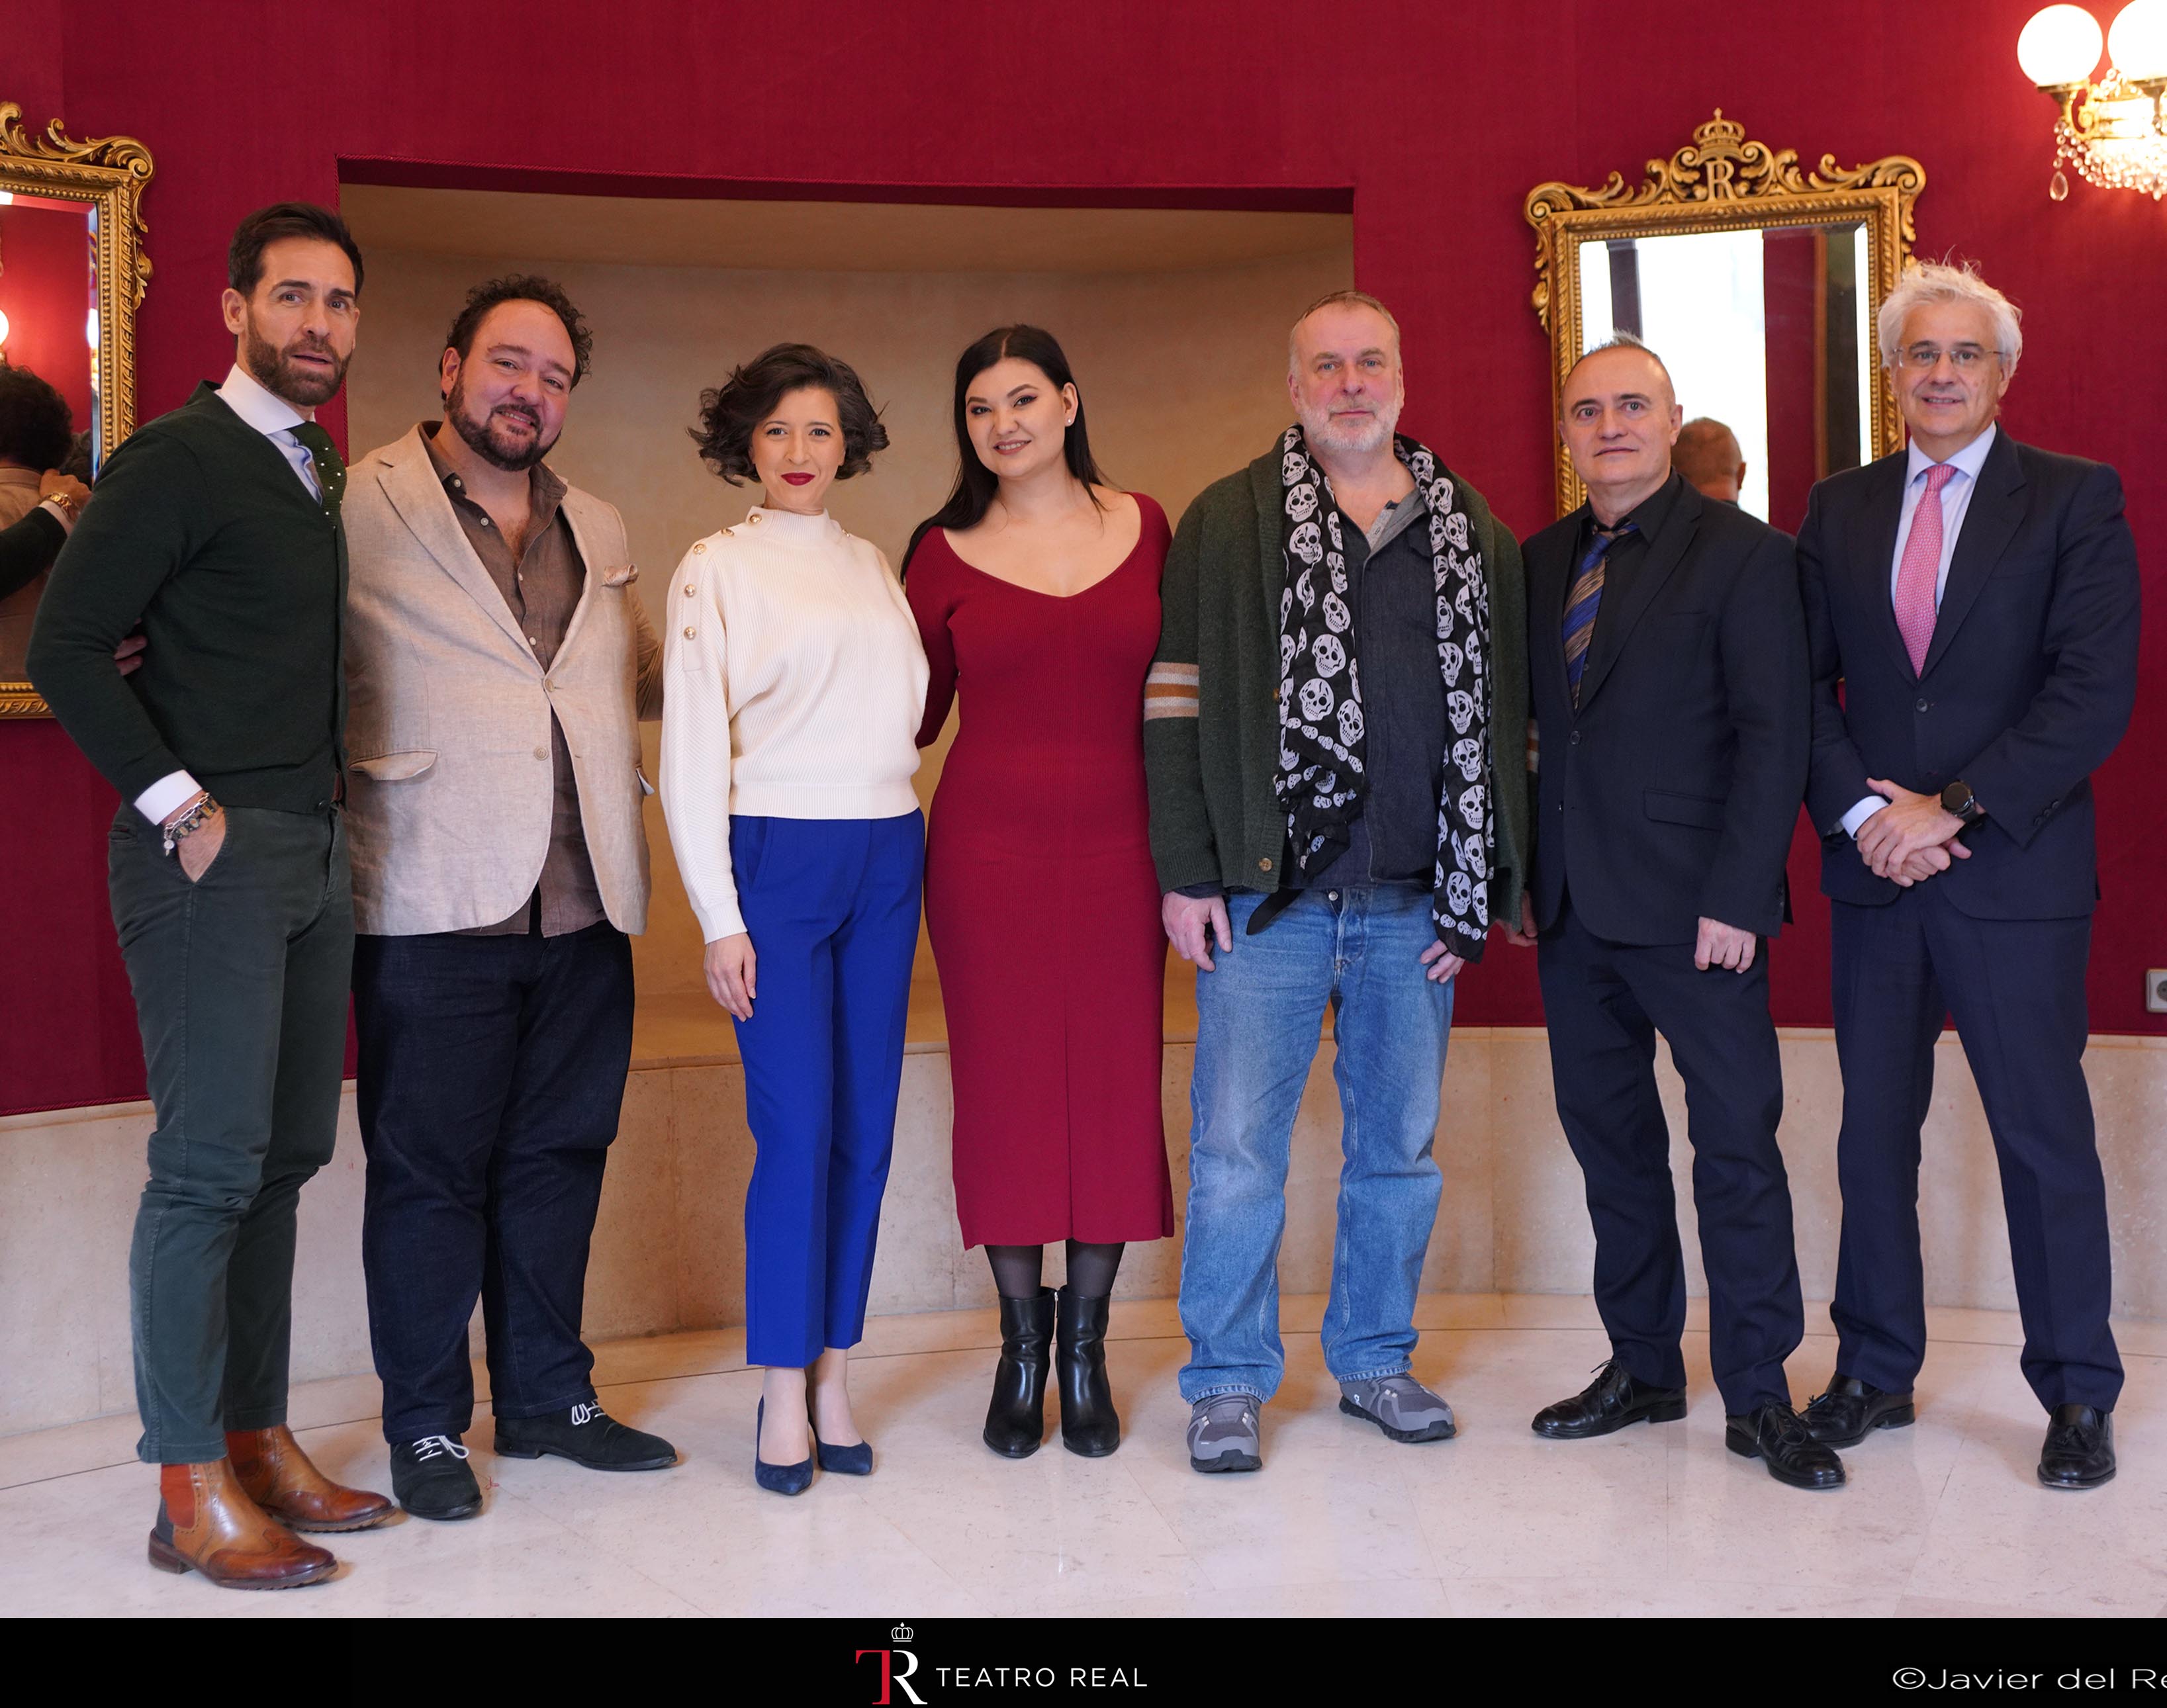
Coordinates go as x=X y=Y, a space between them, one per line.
x=1720 y=136
x=902 y=1633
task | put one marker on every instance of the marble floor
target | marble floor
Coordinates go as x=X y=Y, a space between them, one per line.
x=1943 y=1518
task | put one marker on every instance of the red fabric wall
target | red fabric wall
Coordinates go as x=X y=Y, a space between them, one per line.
x=1438 y=118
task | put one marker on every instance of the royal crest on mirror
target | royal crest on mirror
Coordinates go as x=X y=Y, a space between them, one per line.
x=1730 y=245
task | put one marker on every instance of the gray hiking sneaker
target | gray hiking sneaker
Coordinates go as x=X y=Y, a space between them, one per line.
x=1399 y=1406
x=1222 y=1433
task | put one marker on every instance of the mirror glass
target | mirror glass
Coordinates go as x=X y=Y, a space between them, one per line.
x=48 y=326
x=1764 y=329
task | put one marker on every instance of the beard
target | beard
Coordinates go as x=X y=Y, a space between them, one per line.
x=278 y=373
x=1351 y=438
x=497 y=445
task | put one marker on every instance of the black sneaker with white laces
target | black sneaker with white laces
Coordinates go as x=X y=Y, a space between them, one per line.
x=432 y=1479
x=587 y=1435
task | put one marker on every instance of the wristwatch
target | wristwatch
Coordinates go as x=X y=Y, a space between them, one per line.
x=1959 y=802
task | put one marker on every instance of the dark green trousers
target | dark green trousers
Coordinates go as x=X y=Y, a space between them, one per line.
x=241 y=991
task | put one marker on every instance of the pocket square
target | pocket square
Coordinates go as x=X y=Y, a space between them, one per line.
x=621 y=578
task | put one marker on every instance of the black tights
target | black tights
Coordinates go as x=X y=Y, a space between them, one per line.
x=1091 y=1269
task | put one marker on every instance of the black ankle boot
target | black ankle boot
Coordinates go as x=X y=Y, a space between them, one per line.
x=1015 y=1421
x=1089 y=1424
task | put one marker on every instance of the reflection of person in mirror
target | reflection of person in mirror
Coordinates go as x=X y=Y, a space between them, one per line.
x=1668 y=681
x=1708 y=456
x=492 y=621
x=216 y=528
x=35 y=439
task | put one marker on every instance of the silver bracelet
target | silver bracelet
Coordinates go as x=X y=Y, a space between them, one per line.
x=190 y=822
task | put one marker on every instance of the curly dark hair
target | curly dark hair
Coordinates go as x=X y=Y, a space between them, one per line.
x=523 y=287
x=731 y=413
x=36 y=428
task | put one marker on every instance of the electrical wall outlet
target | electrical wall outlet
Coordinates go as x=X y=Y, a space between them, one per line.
x=2155 y=991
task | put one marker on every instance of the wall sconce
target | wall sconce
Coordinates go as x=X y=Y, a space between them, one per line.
x=2113 y=132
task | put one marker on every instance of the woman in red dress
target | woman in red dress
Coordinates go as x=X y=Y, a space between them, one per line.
x=1035 y=589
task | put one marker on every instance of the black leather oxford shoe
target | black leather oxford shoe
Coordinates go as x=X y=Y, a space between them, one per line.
x=1615 y=1398
x=2079 y=1449
x=1852 y=1410
x=1776 y=1435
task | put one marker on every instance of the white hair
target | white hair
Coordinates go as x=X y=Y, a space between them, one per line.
x=1935 y=282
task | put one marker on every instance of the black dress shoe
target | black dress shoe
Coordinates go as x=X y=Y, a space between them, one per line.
x=587 y=1435
x=2079 y=1449
x=1089 y=1425
x=1615 y=1398
x=432 y=1478
x=1852 y=1410
x=1778 y=1435
x=1015 y=1417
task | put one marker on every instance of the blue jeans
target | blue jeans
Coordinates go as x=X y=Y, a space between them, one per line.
x=1258 y=1023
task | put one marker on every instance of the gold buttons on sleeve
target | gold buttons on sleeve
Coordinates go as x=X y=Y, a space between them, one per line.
x=1263 y=866
x=699 y=545
x=691 y=591
x=689 y=633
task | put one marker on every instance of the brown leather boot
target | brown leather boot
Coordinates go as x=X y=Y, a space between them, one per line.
x=280 y=1479
x=208 y=1523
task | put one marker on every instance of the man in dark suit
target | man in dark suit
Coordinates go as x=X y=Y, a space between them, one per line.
x=1977 y=602
x=1668 y=681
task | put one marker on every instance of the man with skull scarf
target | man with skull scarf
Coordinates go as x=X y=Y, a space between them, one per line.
x=1333 y=735
x=1667 y=651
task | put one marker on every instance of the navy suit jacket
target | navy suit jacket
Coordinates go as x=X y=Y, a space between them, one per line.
x=1670 y=794
x=2028 y=681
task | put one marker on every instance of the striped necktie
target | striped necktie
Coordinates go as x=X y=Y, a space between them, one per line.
x=1581 y=604
x=330 y=466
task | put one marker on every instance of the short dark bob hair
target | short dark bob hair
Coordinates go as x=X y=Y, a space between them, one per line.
x=731 y=413
x=36 y=428
x=522 y=288
x=244 y=260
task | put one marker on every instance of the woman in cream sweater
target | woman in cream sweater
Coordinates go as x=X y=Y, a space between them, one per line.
x=795 y=686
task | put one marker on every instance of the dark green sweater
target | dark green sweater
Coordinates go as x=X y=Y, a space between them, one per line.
x=201 y=533
x=1214 y=817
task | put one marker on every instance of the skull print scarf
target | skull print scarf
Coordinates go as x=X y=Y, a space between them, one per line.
x=1322 y=777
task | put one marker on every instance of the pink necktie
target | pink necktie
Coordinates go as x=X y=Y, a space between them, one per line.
x=1920 y=568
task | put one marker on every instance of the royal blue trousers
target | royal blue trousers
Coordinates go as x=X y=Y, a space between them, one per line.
x=832 y=908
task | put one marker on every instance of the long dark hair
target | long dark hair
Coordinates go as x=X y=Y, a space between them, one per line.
x=976 y=483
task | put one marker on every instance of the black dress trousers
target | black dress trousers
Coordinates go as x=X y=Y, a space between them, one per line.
x=1605 y=1002
x=2016 y=988
x=491 y=1076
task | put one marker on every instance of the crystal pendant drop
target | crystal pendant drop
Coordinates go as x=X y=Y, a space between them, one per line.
x=2058 y=187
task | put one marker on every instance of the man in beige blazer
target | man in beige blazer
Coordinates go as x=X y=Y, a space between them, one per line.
x=499 y=663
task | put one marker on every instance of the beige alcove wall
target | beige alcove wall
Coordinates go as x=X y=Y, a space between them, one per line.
x=1175 y=323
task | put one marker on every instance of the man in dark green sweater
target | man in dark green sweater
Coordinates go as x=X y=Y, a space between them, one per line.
x=216 y=530
x=1334 y=732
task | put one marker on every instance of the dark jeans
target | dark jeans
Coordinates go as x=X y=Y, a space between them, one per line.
x=239 y=982
x=1605 y=1002
x=2016 y=988
x=492 y=1072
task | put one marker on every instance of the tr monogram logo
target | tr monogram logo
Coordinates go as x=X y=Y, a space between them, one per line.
x=893 y=1677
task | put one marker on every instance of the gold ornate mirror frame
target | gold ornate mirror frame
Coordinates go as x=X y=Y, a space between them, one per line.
x=1720 y=182
x=107 y=175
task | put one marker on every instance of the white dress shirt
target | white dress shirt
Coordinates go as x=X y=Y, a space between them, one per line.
x=274 y=417
x=1956 y=499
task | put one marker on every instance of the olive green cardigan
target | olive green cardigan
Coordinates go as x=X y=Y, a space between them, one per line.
x=1211 y=728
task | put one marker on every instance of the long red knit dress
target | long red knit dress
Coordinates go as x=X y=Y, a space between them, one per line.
x=1041 y=898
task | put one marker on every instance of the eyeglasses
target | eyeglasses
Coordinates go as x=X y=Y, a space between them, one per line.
x=1965 y=358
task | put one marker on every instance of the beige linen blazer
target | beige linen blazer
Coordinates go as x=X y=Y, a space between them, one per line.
x=449 y=783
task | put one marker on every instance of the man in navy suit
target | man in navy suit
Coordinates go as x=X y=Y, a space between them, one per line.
x=1976 y=602
x=1667 y=675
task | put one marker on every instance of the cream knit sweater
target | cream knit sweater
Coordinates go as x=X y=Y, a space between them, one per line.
x=795 y=685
